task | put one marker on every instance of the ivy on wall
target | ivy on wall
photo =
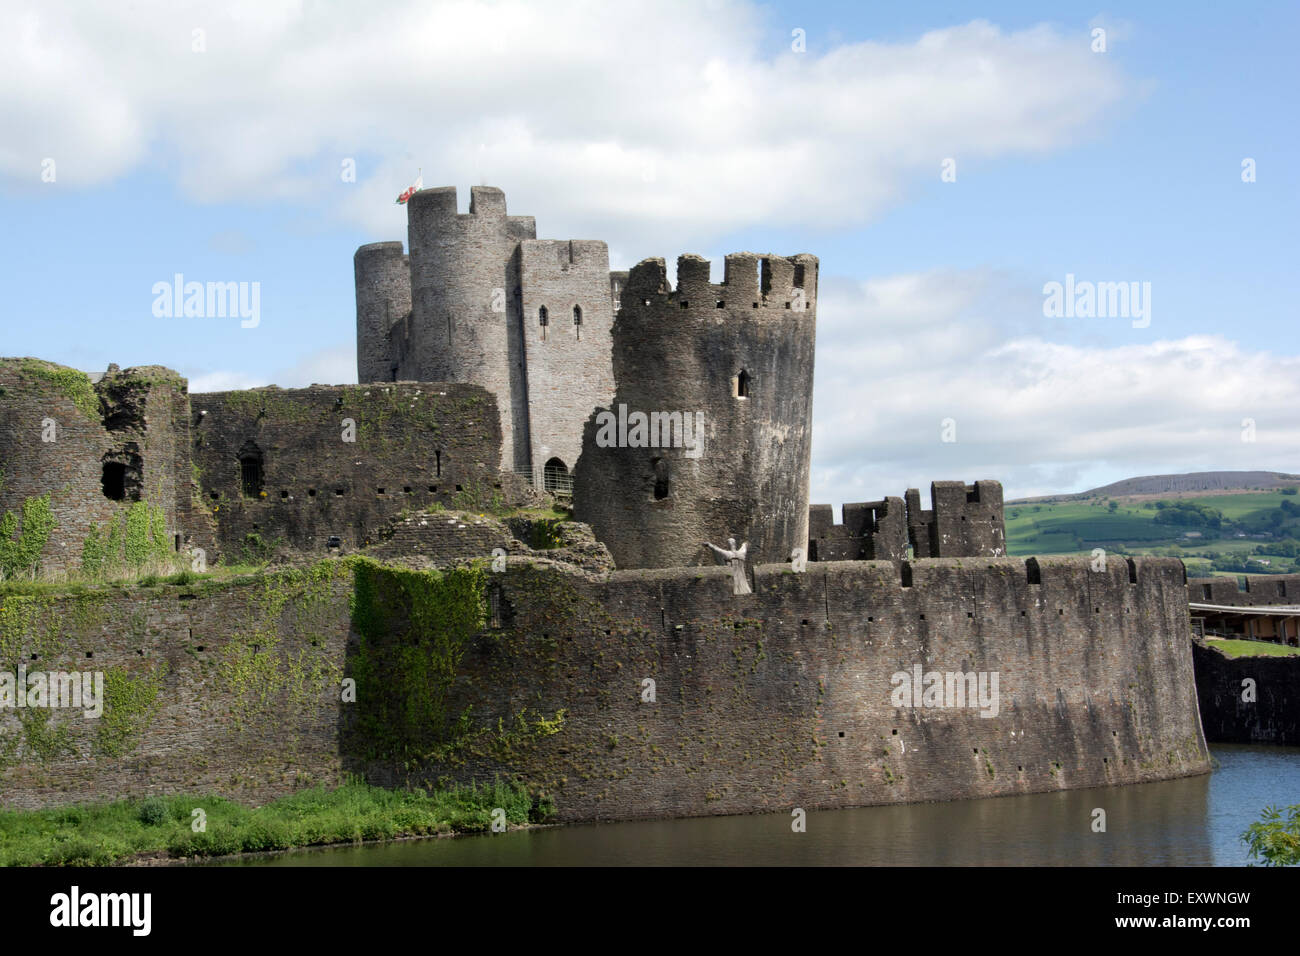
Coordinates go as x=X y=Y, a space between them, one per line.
x=130 y=541
x=21 y=542
x=414 y=627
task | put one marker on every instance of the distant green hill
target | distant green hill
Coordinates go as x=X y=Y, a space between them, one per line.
x=1192 y=483
x=1255 y=532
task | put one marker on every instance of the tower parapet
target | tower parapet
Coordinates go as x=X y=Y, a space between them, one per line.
x=732 y=361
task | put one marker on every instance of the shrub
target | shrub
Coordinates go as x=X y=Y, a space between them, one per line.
x=153 y=812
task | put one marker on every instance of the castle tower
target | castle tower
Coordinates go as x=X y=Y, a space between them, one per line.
x=735 y=358
x=568 y=316
x=383 y=281
x=465 y=302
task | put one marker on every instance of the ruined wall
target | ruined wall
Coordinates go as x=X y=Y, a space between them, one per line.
x=137 y=418
x=963 y=520
x=465 y=302
x=870 y=531
x=1273 y=717
x=414 y=445
x=383 y=284
x=739 y=355
x=568 y=360
x=768 y=701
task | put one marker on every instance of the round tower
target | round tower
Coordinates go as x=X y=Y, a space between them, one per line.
x=465 y=301
x=383 y=283
x=710 y=431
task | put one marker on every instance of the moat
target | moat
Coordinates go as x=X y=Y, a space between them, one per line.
x=1192 y=821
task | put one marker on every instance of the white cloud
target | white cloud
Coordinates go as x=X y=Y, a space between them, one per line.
x=677 y=117
x=330 y=366
x=898 y=355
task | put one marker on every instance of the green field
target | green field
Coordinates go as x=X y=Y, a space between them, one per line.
x=1077 y=527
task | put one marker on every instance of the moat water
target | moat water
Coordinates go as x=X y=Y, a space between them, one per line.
x=1195 y=821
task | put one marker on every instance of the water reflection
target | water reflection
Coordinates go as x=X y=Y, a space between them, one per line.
x=1195 y=821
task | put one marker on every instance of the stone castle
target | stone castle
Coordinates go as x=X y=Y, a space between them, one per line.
x=498 y=372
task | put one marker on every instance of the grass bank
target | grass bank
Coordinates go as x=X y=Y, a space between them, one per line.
x=102 y=834
x=1232 y=648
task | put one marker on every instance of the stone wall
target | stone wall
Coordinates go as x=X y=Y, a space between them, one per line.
x=768 y=701
x=414 y=445
x=1259 y=590
x=1273 y=717
x=782 y=698
x=231 y=689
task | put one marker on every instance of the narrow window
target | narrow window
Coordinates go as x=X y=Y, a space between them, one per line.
x=250 y=470
x=1033 y=573
x=543 y=317
x=798 y=276
x=577 y=315
x=661 y=478
x=742 y=384
x=438 y=461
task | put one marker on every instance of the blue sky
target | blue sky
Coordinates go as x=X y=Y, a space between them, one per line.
x=704 y=132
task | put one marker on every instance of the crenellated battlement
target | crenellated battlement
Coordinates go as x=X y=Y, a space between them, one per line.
x=869 y=531
x=487 y=204
x=751 y=281
x=963 y=520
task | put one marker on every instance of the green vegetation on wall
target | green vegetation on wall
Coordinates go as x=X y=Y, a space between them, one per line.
x=21 y=542
x=130 y=703
x=260 y=680
x=131 y=541
x=415 y=627
x=71 y=383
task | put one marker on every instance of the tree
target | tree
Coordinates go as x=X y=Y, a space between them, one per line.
x=1112 y=506
x=1275 y=839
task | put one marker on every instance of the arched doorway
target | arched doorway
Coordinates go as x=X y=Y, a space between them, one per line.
x=556 y=478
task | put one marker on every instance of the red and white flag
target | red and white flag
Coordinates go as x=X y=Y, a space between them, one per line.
x=418 y=184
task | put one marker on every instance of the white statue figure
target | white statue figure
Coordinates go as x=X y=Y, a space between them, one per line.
x=735 y=557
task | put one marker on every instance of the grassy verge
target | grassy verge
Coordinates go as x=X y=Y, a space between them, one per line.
x=1253 y=648
x=108 y=833
x=72 y=583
